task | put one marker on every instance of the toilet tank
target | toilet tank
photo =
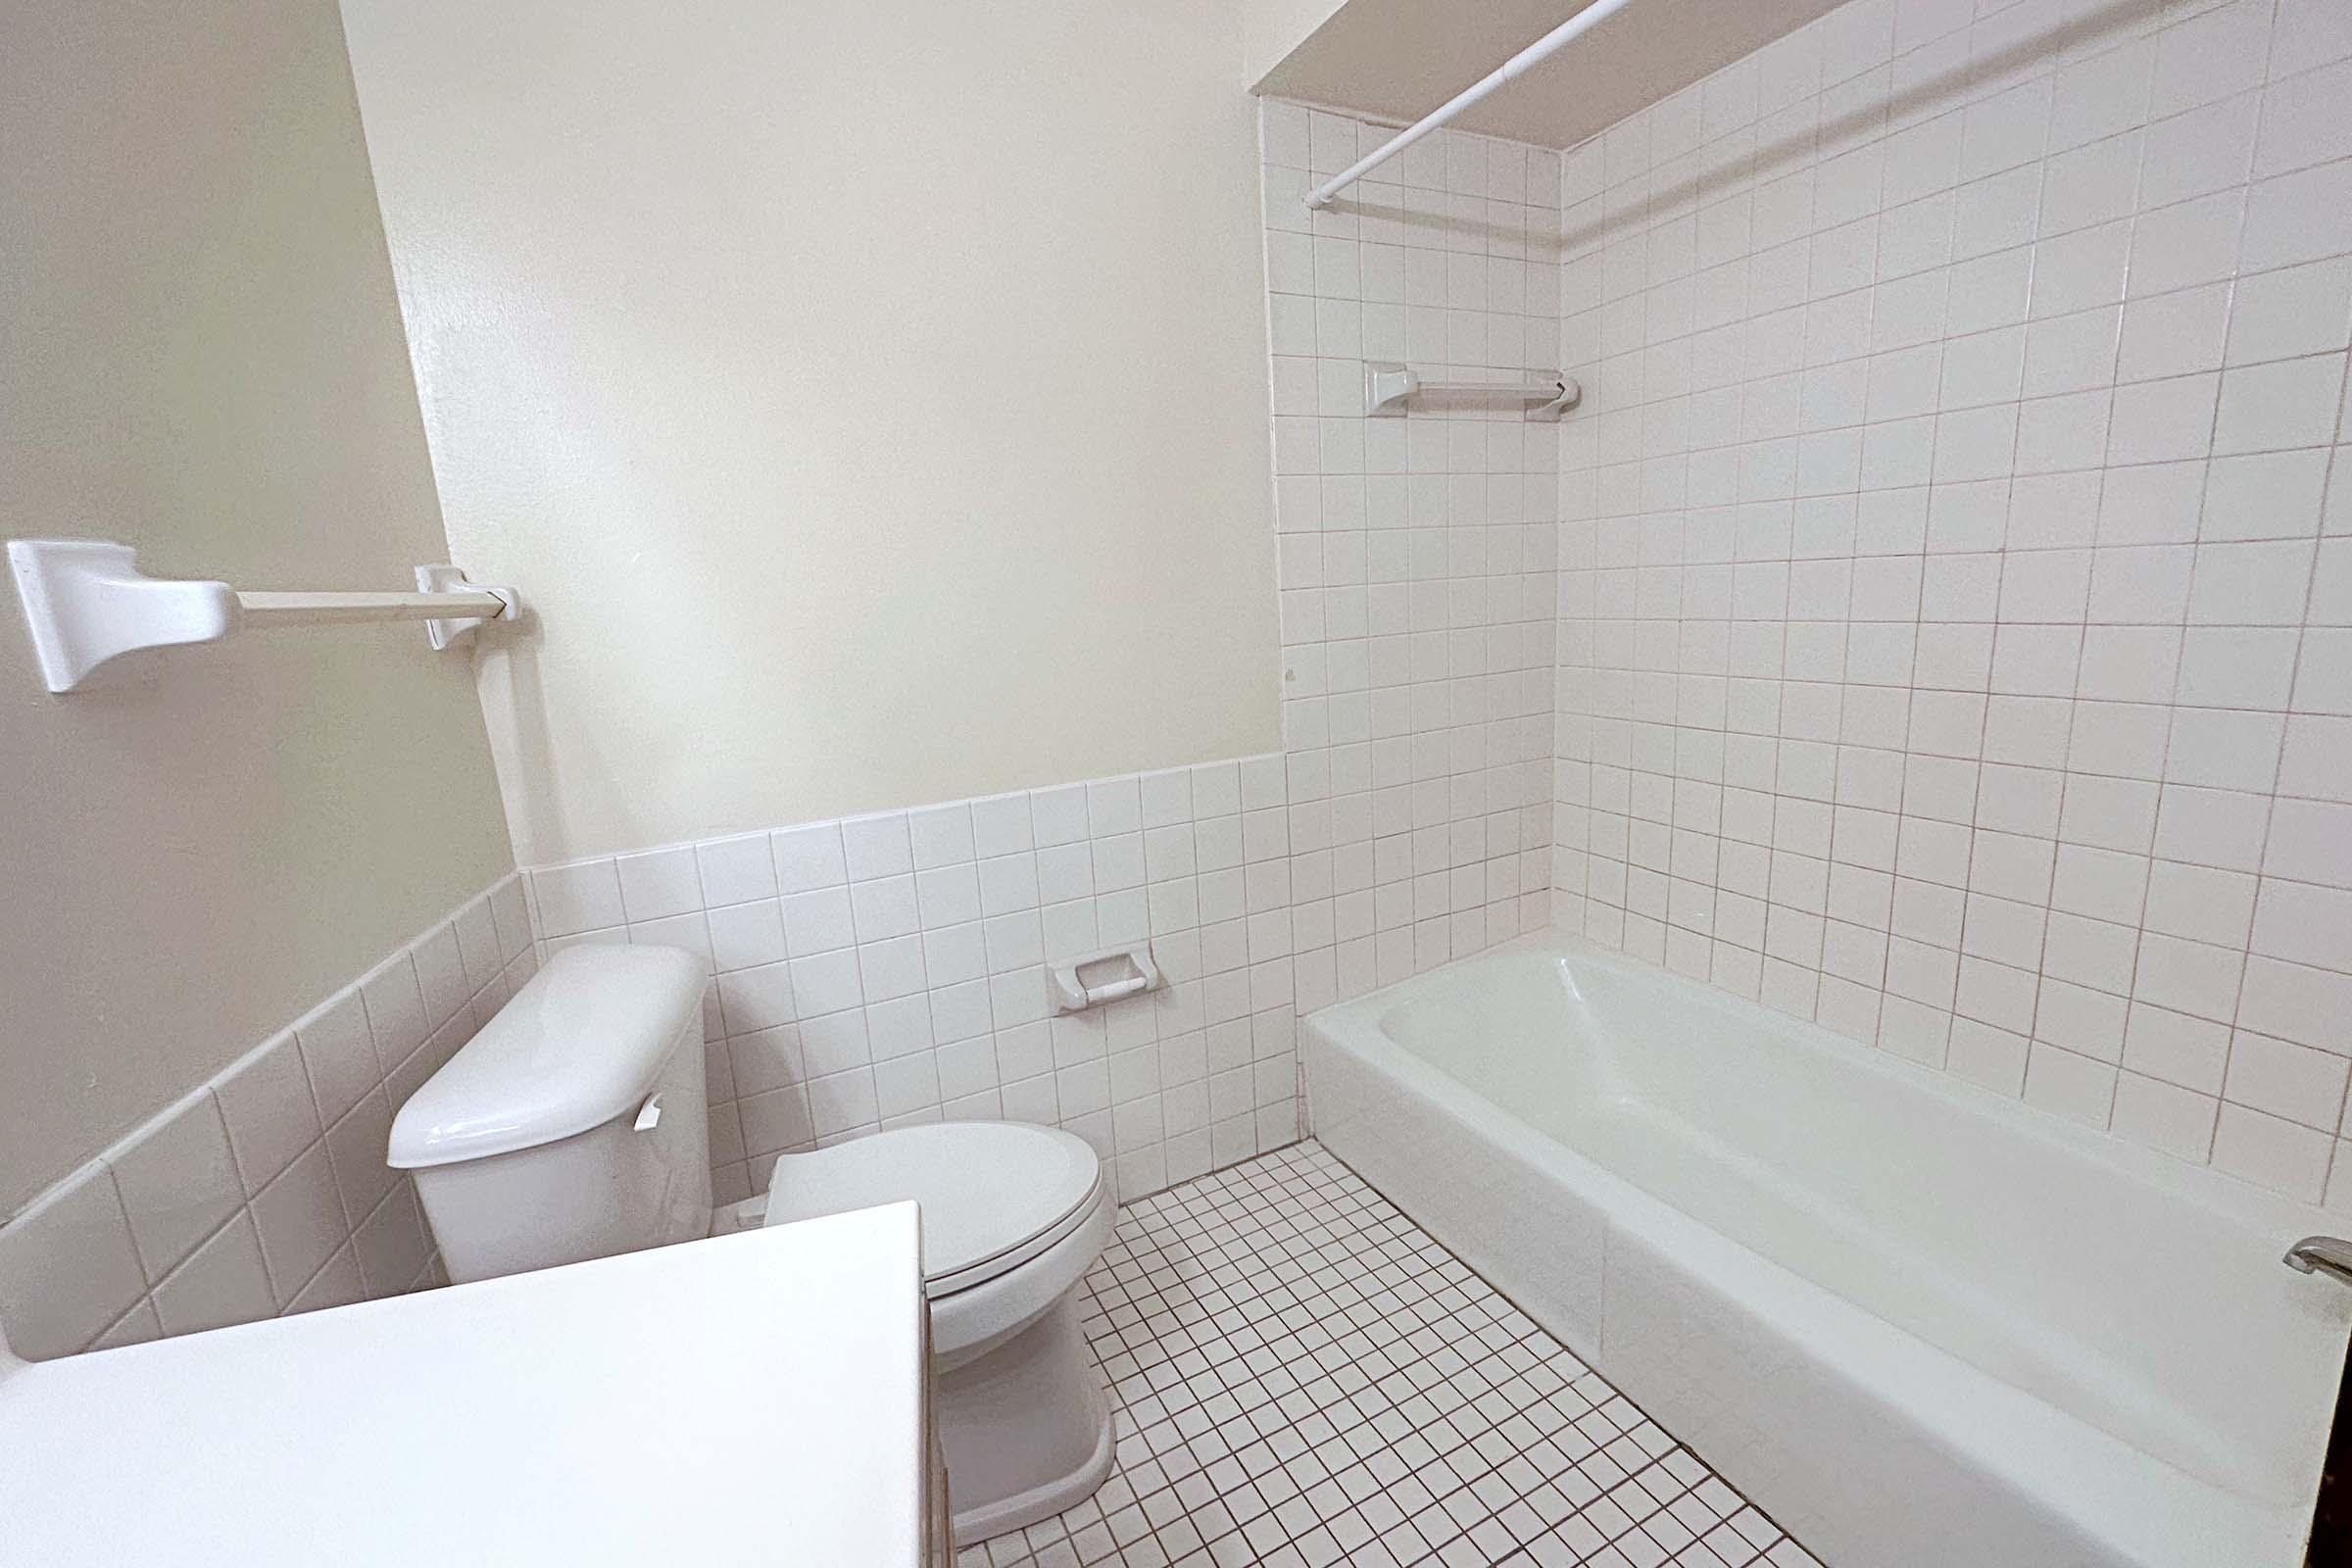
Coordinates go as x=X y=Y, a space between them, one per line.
x=573 y=1124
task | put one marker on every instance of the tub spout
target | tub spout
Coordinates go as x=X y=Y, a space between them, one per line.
x=2322 y=1254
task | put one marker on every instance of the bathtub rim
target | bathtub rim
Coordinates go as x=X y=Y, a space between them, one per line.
x=2226 y=1194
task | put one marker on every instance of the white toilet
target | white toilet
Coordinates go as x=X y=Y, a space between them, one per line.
x=574 y=1125
x=1013 y=1216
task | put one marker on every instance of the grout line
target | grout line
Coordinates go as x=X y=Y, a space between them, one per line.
x=1584 y=707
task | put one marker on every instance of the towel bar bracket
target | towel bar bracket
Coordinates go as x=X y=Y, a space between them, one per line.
x=86 y=603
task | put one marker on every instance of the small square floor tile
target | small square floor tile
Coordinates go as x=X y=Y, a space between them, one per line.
x=1301 y=1376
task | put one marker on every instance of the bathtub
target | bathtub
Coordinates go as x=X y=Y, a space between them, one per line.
x=1917 y=1323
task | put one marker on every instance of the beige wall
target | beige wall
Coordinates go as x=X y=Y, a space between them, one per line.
x=1394 y=61
x=1272 y=28
x=203 y=359
x=870 y=399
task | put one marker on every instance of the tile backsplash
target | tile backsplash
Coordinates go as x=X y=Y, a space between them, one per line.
x=1956 y=585
x=264 y=1189
x=887 y=970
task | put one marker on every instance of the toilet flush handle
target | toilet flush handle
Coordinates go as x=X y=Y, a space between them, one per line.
x=649 y=1115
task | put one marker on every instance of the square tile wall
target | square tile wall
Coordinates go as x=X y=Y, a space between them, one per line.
x=265 y=1190
x=1416 y=552
x=879 y=972
x=1956 y=586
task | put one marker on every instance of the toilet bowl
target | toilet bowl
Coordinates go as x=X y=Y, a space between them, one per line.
x=574 y=1125
x=1012 y=1217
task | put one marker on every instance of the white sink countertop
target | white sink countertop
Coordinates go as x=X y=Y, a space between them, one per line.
x=752 y=1398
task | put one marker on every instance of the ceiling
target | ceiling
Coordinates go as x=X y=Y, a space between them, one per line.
x=1399 y=59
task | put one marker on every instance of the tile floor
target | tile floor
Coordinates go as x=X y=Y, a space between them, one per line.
x=1303 y=1377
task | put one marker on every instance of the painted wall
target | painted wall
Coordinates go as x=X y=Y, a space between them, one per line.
x=869 y=397
x=1397 y=60
x=1272 y=28
x=203 y=359
x=1957 y=573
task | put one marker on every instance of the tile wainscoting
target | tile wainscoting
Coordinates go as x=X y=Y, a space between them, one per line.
x=881 y=970
x=263 y=1191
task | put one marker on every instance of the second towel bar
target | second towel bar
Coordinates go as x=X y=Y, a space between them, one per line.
x=1387 y=386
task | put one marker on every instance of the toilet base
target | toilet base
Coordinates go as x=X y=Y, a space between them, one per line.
x=1024 y=1428
x=975 y=1525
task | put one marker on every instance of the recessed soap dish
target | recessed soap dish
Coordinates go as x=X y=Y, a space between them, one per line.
x=1074 y=985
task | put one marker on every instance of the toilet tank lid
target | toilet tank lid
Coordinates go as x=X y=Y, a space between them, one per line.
x=581 y=1042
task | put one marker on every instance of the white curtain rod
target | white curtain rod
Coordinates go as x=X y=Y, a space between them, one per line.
x=1518 y=65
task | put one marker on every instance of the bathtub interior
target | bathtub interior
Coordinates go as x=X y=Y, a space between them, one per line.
x=2139 y=1295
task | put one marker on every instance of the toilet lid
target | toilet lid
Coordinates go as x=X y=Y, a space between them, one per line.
x=991 y=1192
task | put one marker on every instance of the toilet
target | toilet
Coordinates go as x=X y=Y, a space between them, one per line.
x=1013 y=1216
x=574 y=1125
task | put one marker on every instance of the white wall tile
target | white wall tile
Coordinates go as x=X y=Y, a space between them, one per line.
x=2272 y=1150
x=745 y=936
x=2061 y=631
x=339 y=1053
x=584 y=896
x=941 y=836
x=178 y=1182
x=300 y=1221
x=338 y=1284
x=872 y=993
x=2310 y=32
x=658 y=882
x=394 y=1004
x=225 y=1282
x=266 y=1103
x=392 y=1245
x=1000 y=826
x=811 y=857
x=733 y=870
x=356 y=1145
x=819 y=921
x=68 y=1266
x=877 y=846
x=884 y=907
x=239 y=1203
x=476 y=928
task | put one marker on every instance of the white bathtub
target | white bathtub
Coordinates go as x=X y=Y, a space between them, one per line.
x=1917 y=1323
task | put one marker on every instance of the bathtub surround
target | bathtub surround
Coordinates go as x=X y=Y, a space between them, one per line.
x=1415 y=554
x=871 y=397
x=205 y=361
x=881 y=970
x=1954 y=608
x=1948 y=610
x=265 y=1190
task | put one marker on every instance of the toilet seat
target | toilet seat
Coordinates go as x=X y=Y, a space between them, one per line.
x=938 y=1285
x=994 y=1194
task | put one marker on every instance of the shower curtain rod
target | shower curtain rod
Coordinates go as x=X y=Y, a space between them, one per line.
x=1518 y=65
